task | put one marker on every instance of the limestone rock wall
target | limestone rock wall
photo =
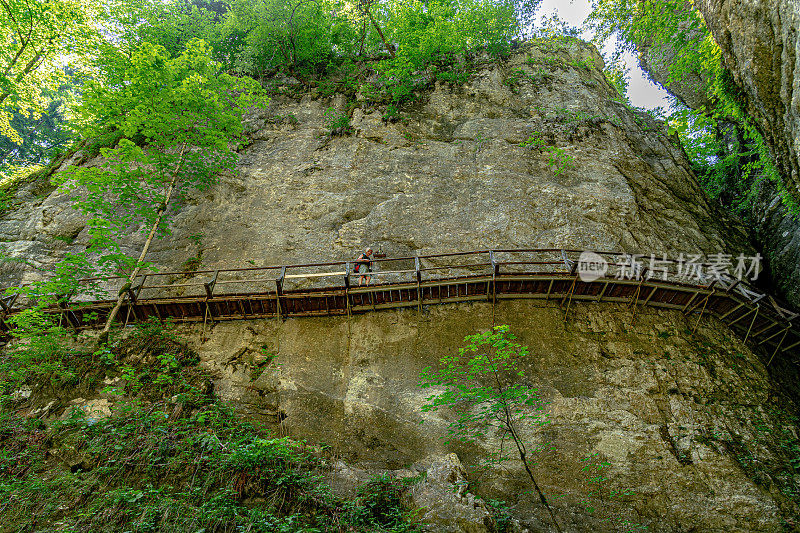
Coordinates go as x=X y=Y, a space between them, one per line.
x=777 y=229
x=449 y=176
x=693 y=426
x=778 y=233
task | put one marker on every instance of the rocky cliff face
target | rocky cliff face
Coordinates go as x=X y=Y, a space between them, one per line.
x=760 y=46
x=695 y=432
x=534 y=152
x=450 y=176
x=778 y=234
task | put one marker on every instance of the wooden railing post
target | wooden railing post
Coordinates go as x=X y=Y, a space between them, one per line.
x=67 y=313
x=7 y=302
x=209 y=285
x=495 y=271
x=131 y=295
x=140 y=286
x=418 y=274
x=347 y=288
x=279 y=291
x=5 y=305
x=565 y=260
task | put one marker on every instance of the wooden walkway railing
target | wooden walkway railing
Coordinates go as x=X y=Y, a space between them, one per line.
x=323 y=289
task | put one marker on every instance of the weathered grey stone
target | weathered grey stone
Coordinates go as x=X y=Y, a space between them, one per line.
x=680 y=419
x=450 y=176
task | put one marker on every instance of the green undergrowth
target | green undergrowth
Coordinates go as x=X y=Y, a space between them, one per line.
x=153 y=467
x=150 y=361
x=169 y=458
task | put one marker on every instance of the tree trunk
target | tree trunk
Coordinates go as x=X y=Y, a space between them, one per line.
x=388 y=47
x=103 y=338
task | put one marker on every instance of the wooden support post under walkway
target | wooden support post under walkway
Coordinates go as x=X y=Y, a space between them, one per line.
x=749 y=329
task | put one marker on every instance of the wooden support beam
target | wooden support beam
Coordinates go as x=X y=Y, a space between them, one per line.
x=787 y=328
x=726 y=315
x=68 y=314
x=418 y=277
x=205 y=320
x=347 y=289
x=754 y=310
x=766 y=328
x=279 y=293
x=209 y=286
x=638 y=291
x=602 y=292
x=705 y=303
x=141 y=286
x=490 y=291
x=791 y=346
x=647 y=300
x=685 y=307
x=778 y=347
x=755 y=316
x=569 y=299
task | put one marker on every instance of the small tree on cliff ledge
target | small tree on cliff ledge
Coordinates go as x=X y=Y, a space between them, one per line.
x=177 y=119
x=482 y=387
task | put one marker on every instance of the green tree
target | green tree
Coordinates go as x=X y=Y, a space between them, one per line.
x=483 y=385
x=41 y=137
x=178 y=121
x=39 y=39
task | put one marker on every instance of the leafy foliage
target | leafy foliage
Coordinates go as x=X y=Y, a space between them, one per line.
x=38 y=37
x=40 y=139
x=168 y=123
x=147 y=470
x=313 y=40
x=183 y=464
x=177 y=117
x=675 y=35
x=482 y=385
x=338 y=122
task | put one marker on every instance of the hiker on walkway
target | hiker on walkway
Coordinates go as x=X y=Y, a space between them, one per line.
x=363 y=266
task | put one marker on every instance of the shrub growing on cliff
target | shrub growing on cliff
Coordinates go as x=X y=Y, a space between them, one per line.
x=482 y=385
x=154 y=468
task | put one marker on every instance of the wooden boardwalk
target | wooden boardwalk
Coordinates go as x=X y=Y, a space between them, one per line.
x=328 y=289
